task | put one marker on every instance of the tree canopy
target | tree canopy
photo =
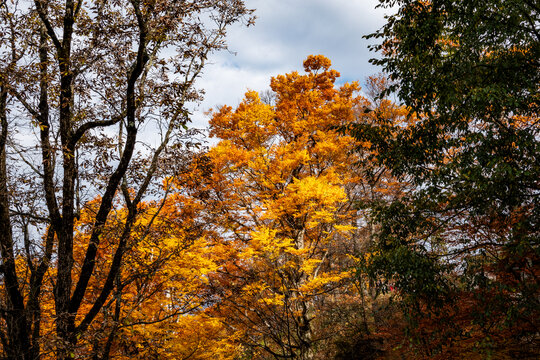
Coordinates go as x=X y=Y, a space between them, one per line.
x=467 y=235
x=327 y=221
x=79 y=82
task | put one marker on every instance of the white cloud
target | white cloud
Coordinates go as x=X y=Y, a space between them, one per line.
x=285 y=32
x=225 y=85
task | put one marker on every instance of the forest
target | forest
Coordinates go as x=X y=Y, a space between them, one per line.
x=392 y=218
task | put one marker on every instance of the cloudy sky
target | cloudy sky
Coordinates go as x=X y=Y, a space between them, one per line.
x=284 y=34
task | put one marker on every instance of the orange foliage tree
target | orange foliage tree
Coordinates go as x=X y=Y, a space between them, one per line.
x=281 y=192
x=157 y=307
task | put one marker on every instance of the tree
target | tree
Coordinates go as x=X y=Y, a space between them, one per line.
x=280 y=193
x=85 y=79
x=157 y=309
x=466 y=238
x=158 y=306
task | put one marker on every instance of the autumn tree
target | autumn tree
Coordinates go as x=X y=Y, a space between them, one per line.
x=157 y=309
x=79 y=83
x=462 y=247
x=280 y=193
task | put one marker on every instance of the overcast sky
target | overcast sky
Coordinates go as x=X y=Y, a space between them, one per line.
x=284 y=34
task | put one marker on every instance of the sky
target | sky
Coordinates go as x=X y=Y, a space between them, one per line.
x=284 y=34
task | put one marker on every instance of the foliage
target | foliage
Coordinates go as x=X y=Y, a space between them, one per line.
x=326 y=222
x=80 y=82
x=280 y=192
x=466 y=236
x=157 y=308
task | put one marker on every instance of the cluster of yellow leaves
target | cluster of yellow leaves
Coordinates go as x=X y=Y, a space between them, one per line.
x=279 y=195
x=157 y=307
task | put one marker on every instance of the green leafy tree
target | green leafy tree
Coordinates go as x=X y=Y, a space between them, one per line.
x=466 y=238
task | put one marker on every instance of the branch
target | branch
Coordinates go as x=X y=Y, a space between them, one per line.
x=91 y=125
x=24 y=103
x=50 y=30
x=109 y=282
x=115 y=179
x=36 y=279
x=29 y=215
x=26 y=237
x=44 y=128
x=27 y=162
x=78 y=8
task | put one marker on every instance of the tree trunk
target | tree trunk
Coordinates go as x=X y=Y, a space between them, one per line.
x=17 y=331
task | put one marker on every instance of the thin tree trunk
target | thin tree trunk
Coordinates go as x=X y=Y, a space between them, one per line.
x=17 y=330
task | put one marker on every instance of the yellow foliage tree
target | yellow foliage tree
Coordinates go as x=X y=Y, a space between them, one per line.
x=279 y=193
x=157 y=310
